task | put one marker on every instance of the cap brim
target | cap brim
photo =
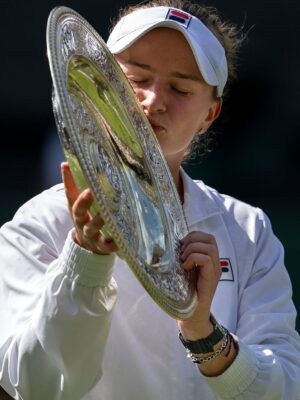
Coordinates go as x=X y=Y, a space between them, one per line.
x=203 y=63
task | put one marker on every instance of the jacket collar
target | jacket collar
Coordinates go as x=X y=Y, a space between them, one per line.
x=199 y=203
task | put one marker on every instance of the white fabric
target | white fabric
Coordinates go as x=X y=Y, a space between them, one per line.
x=57 y=300
x=208 y=51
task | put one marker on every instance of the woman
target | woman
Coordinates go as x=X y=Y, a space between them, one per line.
x=66 y=337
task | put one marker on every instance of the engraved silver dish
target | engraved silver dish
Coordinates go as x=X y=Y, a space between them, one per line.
x=112 y=149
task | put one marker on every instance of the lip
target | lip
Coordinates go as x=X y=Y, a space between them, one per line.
x=157 y=127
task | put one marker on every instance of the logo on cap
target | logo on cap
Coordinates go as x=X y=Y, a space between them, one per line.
x=179 y=16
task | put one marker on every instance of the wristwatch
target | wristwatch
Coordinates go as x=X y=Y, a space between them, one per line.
x=205 y=345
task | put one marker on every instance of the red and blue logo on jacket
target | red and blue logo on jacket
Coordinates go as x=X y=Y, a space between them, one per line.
x=179 y=16
x=227 y=272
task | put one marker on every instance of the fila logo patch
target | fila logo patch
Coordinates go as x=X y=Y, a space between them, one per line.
x=179 y=16
x=227 y=273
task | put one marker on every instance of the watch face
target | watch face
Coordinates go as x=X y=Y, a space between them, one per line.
x=112 y=149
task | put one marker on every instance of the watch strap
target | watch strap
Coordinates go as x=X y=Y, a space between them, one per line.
x=205 y=345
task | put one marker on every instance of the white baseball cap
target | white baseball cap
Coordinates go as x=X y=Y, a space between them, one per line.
x=208 y=51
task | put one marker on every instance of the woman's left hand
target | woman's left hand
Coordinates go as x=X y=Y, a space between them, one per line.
x=200 y=249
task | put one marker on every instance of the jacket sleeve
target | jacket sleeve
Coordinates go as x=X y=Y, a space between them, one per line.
x=268 y=363
x=55 y=312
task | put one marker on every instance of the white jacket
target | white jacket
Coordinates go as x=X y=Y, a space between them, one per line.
x=57 y=302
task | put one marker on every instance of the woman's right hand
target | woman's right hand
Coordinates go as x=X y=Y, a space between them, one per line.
x=87 y=228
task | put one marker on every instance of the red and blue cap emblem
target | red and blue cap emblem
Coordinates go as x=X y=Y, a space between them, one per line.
x=179 y=16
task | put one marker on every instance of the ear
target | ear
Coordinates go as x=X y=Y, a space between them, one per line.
x=213 y=113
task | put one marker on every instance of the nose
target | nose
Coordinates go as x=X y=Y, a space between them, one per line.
x=153 y=99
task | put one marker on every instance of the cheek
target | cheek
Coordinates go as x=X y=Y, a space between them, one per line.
x=197 y=112
x=138 y=93
x=185 y=111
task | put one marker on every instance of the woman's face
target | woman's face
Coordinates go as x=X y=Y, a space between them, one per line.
x=165 y=77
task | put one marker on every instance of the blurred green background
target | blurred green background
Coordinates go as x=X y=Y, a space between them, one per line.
x=256 y=155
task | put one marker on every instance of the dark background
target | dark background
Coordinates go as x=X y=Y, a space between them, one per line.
x=256 y=155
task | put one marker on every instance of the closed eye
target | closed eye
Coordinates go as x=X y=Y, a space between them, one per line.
x=181 y=91
x=140 y=81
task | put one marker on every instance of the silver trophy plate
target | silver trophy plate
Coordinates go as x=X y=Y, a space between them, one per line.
x=112 y=149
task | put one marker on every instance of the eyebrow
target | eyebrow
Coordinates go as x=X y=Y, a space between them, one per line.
x=175 y=74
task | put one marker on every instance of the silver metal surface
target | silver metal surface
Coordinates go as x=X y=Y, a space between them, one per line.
x=112 y=149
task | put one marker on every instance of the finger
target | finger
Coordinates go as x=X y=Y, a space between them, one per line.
x=80 y=208
x=99 y=243
x=71 y=189
x=91 y=228
x=106 y=245
x=93 y=239
x=197 y=236
x=197 y=259
x=203 y=248
x=207 y=270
